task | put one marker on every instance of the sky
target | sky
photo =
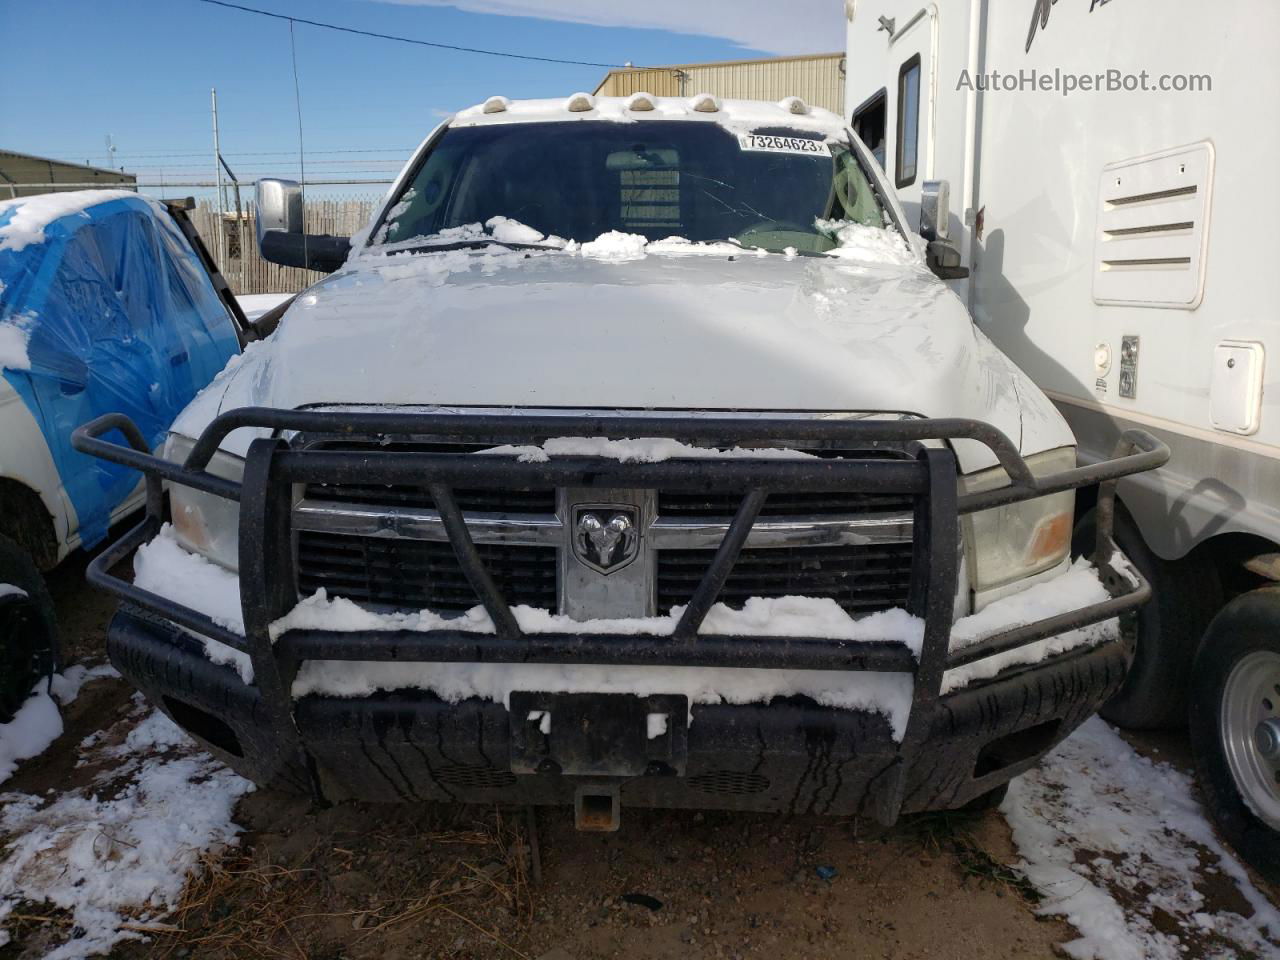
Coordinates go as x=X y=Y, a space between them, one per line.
x=140 y=71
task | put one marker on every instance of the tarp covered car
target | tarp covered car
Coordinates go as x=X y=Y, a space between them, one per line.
x=105 y=307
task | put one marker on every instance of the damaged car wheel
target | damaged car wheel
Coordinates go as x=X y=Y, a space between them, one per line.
x=27 y=628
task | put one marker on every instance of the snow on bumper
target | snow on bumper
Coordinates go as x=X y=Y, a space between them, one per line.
x=786 y=704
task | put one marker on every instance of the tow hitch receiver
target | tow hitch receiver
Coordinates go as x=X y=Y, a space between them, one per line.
x=599 y=735
x=596 y=808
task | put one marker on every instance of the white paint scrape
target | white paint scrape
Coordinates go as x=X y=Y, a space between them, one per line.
x=1119 y=846
x=119 y=850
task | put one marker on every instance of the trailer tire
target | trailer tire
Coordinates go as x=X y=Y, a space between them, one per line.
x=28 y=628
x=1238 y=665
x=1186 y=594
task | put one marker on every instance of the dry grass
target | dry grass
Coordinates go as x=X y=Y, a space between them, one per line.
x=237 y=905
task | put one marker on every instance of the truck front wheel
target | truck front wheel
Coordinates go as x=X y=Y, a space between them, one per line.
x=1185 y=595
x=27 y=628
x=1235 y=726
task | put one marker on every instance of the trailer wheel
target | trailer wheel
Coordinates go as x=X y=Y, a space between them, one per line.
x=1235 y=726
x=1186 y=594
x=28 y=630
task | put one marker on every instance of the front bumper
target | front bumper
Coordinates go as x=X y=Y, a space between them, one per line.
x=791 y=755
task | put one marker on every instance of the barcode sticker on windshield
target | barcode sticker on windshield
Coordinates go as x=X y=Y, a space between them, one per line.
x=776 y=144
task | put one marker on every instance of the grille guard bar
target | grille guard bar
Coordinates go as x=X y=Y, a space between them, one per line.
x=272 y=467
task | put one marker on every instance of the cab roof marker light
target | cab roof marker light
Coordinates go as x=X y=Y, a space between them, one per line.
x=496 y=105
x=580 y=103
x=705 y=103
x=794 y=105
x=640 y=102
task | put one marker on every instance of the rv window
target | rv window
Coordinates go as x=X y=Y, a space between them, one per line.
x=870 y=123
x=908 y=122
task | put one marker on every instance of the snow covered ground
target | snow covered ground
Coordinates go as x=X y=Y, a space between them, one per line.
x=115 y=853
x=39 y=723
x=1119 y=846
x=1116 y=843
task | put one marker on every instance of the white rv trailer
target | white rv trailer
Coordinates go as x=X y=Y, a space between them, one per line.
x=1106 y=162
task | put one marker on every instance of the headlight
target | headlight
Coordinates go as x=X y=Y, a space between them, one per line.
x=1019 y=540
x=203 y=523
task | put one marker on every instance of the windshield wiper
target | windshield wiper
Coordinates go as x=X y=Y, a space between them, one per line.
x=476 y=244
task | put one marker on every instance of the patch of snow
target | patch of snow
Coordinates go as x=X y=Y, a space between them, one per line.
x=506 y=230
x=656 y=725
x=615 y=246
x=543 y=719
x=1116 y=843
x=819 y=617
x=889 y=694
x=37 y=723
x=1077 y=587
x=857 y=241
x=679 y=246
x=120 y=849
x=28 y=216
x=15 y=335
x=638 y=450
x=255 y=305
x=164 y=567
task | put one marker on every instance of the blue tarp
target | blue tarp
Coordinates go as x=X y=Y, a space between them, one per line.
x=121 y=317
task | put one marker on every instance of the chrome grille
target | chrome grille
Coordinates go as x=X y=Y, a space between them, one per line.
x=862 y=579
x=384 y=545
x=719 y=504
x=418 y=574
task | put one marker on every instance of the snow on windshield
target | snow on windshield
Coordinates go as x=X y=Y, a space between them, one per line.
x=769 y=186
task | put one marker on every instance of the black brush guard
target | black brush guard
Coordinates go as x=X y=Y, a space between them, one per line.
x=272 y=468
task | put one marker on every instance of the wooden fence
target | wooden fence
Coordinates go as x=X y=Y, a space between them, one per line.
x=237 y=254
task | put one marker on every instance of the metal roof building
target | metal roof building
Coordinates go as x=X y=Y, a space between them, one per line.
x=817 y=78
x=19 y=168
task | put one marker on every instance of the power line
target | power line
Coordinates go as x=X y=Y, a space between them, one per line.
x=421 y=43
x=229 y=153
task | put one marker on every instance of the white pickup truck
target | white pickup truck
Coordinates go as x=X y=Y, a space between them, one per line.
x=635 y=454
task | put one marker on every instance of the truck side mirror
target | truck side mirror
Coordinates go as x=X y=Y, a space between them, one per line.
x=280 y=233
x=935 y=227
x=944 y=260
x=935 y=210
x=279 y=204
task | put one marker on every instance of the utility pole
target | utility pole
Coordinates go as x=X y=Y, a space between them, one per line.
x=217 y=169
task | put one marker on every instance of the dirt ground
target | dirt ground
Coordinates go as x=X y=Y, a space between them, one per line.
x=361 y=881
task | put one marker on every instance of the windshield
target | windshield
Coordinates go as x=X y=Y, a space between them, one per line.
x=774 y=188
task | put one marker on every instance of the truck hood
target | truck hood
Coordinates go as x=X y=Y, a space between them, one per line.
x=693 y=332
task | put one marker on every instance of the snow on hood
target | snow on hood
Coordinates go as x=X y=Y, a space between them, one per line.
x=555 y=329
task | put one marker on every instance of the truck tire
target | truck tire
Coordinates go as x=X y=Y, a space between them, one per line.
x=28 y=629
x=1235 y=726
x=1186 y=594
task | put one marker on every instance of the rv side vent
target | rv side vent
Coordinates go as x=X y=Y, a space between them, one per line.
x=1153 y=229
